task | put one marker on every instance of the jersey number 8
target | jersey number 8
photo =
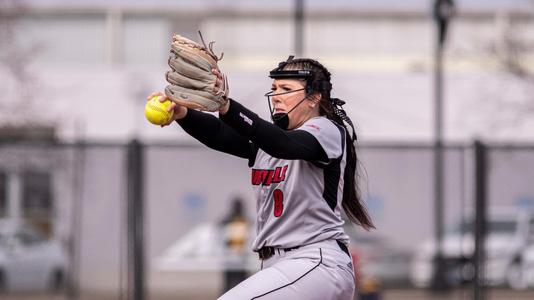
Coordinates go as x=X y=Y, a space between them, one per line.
x=278 y=196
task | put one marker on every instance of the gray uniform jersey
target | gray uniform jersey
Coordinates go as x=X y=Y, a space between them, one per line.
x=298 y=201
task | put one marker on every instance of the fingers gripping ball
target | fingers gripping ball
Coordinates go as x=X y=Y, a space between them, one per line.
x=156 y=111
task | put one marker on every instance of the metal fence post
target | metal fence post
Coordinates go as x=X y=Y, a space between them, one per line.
x=480 y=221
x=75 y=238
x=136 y=286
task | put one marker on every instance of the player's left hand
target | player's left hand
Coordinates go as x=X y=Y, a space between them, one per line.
x=219 y=82
x=191 y=79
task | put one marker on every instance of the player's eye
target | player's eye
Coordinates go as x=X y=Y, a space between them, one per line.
x=281 y=89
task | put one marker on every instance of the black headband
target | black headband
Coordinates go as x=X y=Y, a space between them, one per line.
x=281 y=74
x=308 y=75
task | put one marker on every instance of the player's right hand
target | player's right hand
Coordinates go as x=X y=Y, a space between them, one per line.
x=179 y=111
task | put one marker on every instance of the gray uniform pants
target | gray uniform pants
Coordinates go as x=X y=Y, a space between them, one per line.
x=319 y=271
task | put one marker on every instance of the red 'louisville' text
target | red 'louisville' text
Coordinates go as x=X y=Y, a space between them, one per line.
x=266 y=177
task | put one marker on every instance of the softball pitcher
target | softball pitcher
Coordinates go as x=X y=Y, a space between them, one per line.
x=303 y=167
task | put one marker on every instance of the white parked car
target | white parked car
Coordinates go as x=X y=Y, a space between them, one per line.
x=203 y=249
x=509 y=233
x=525 y=272
x=29 y=262
x=378 y=258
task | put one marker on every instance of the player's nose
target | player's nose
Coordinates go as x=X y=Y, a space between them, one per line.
x=276 y=99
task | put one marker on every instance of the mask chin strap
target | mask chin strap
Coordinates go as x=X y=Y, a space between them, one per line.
x=340 y=112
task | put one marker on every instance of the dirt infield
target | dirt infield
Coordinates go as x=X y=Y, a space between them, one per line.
x=408 y=294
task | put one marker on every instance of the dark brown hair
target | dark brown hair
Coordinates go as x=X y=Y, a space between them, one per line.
x=320 y=83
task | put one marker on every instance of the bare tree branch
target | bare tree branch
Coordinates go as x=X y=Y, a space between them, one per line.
x=19 y=82
x=507 y=97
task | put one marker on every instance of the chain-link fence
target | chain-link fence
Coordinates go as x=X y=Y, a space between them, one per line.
x=67 y=208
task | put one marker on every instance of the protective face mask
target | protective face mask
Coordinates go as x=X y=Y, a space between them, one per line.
x=282 y=119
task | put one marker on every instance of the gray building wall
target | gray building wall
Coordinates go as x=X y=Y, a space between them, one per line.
x=110 y=56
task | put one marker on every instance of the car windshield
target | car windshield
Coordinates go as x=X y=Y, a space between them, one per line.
x=495 y=227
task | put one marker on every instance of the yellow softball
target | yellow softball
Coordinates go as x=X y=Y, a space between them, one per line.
x=156 y=111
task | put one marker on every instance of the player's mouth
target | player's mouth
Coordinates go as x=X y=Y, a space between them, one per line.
x=278 y=110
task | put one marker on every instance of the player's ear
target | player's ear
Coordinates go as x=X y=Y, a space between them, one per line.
x=315 y=99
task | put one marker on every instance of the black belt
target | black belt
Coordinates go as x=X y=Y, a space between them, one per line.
x=266 y=251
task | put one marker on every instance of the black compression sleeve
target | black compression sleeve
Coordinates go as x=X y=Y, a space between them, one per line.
x=213 y=133
x=294 y=144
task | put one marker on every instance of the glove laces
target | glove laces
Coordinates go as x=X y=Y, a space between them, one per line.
x=209 y=48
x=223 y=89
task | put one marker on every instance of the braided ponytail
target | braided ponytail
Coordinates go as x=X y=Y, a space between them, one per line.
x=331 y=108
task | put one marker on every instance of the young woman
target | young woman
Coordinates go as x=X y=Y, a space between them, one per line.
x=303 y=168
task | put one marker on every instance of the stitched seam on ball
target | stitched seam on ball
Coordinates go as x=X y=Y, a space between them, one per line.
x=159 y=109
